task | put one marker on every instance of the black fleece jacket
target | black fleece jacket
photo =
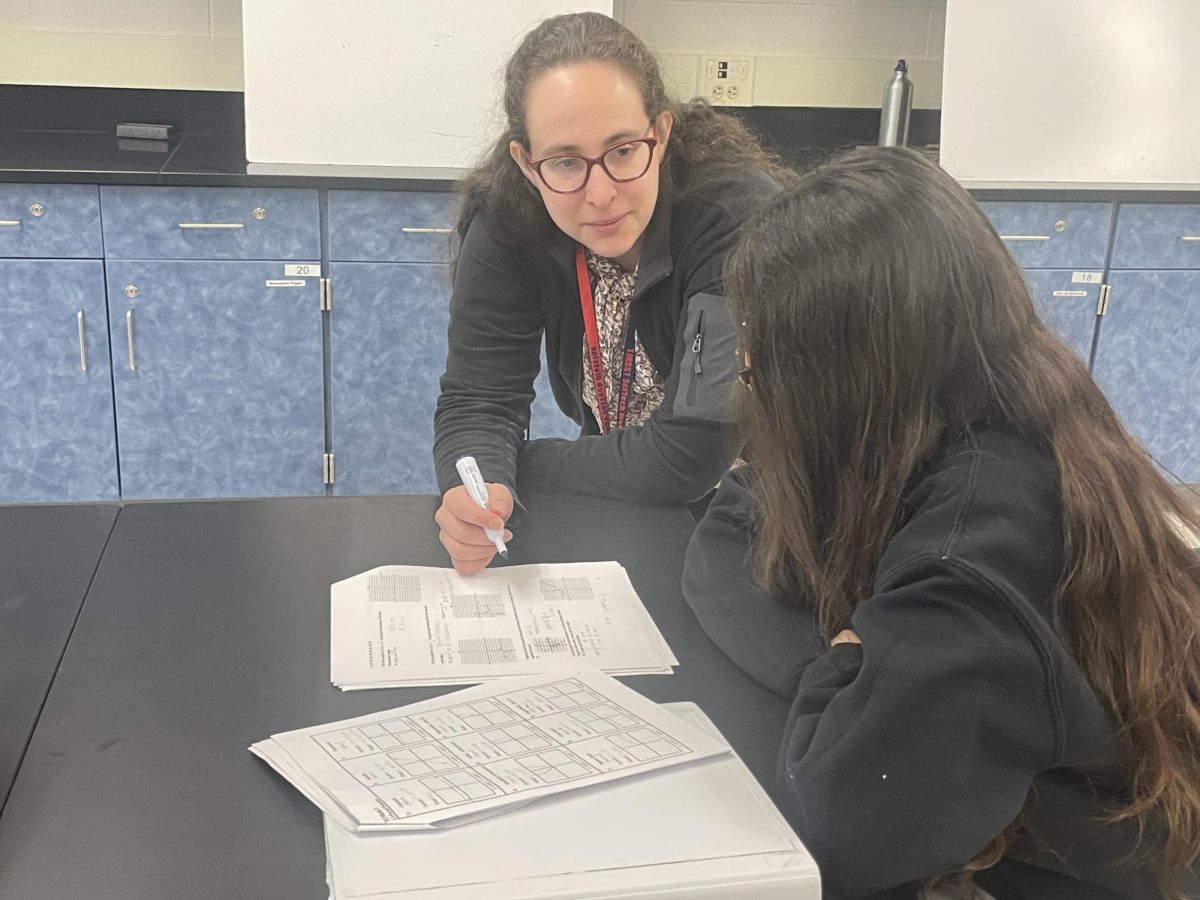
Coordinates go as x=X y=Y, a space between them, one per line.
x=506 y=296
x=905 y=755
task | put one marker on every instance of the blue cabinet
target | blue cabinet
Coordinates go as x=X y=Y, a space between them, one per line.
x=50 y=221
x=163 y=341
x=1148 y=351
x=1062 y=250
x=387 y=350
x=391 y=226
x=56 y=409
x=218 y=379
x=391 y=292
x=1132 y=304
x=1053 y=235
x=1067 y=305
x=1157 y=236
x=211 y=223
x=390 y=286
x=1148 y=363
x=218 y=372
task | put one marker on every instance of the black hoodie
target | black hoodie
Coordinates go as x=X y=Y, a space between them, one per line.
x=905 y=755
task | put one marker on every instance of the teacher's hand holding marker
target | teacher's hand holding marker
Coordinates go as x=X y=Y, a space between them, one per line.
x=471 y=519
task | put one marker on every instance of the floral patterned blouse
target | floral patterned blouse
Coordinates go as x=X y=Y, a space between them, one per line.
x=612 y=292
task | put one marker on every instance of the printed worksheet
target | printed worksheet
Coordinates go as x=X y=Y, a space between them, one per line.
x=403 y=625
x=482 y=750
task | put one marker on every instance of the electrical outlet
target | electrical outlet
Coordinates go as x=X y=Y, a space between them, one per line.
x=727 y=80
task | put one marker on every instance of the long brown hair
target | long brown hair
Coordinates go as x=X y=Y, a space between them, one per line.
x=883 y=317
x=706 y=147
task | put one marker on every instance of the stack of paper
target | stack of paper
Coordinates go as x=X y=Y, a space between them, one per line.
x=706 y=830
x=481 y=751
x=435 y=801
x=399 y=626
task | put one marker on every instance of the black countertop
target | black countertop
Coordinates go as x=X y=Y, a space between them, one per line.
x=51 y=133
x=219 y=160
x=137 y=782
x=216 y=160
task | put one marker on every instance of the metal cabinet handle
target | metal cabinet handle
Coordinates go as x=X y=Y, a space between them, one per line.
x=15 y=223
x=1024 y=237
x=129 y=339
x=413 y=230
x=82 y=343
x=1189 y=237
x=212 y=226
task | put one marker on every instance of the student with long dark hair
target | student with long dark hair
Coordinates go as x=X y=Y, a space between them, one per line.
x=994 y=622
x=599 y=220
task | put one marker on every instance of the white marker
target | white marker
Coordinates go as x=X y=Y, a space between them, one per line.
x=472 y=478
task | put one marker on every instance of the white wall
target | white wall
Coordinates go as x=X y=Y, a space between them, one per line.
x=185 y=44
x=822 y=53
x=1074 y=92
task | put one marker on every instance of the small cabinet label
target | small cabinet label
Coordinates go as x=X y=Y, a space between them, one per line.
x=1070 y=293
x=286 y=282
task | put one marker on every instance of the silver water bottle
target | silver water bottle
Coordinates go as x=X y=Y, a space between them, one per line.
x=897 y=105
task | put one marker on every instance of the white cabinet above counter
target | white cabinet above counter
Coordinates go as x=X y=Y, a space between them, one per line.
x=405 y=83
x=1072 y=94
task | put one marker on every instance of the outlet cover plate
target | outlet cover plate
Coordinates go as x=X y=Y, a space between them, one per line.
x=726 y=80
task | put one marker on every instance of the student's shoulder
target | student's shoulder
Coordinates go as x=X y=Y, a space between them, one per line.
x=990 y=503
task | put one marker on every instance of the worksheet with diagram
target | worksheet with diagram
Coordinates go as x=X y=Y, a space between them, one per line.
x=409 y=625
x=482 y=750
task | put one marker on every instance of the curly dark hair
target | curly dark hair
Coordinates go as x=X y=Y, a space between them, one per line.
x=706 y=146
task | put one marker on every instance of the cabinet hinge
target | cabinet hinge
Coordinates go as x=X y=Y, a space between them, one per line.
x=326 y=295
x=1102 y=303
x=329 y=470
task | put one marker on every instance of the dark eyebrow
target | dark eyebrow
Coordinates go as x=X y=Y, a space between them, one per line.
x=619 y=138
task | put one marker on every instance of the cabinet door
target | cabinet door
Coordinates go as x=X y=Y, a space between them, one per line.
x=1157 y=236
x=211 y=223
x=218 y=379
x=1053 y=235
x=387 y=351
x=1068 y=307
x=56 y=406
x=50 y=221
x=387 y=354
x=1148 y=363
x=391 y=226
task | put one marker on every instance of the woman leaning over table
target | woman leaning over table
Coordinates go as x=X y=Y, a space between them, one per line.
x=599 y=221
x=990 y=627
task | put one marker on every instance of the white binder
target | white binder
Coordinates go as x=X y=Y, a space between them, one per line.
x=705 y=831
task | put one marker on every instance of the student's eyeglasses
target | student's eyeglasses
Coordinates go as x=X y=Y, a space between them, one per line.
x=568 y=173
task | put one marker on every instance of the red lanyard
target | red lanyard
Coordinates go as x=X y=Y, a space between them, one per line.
x=595 y=360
